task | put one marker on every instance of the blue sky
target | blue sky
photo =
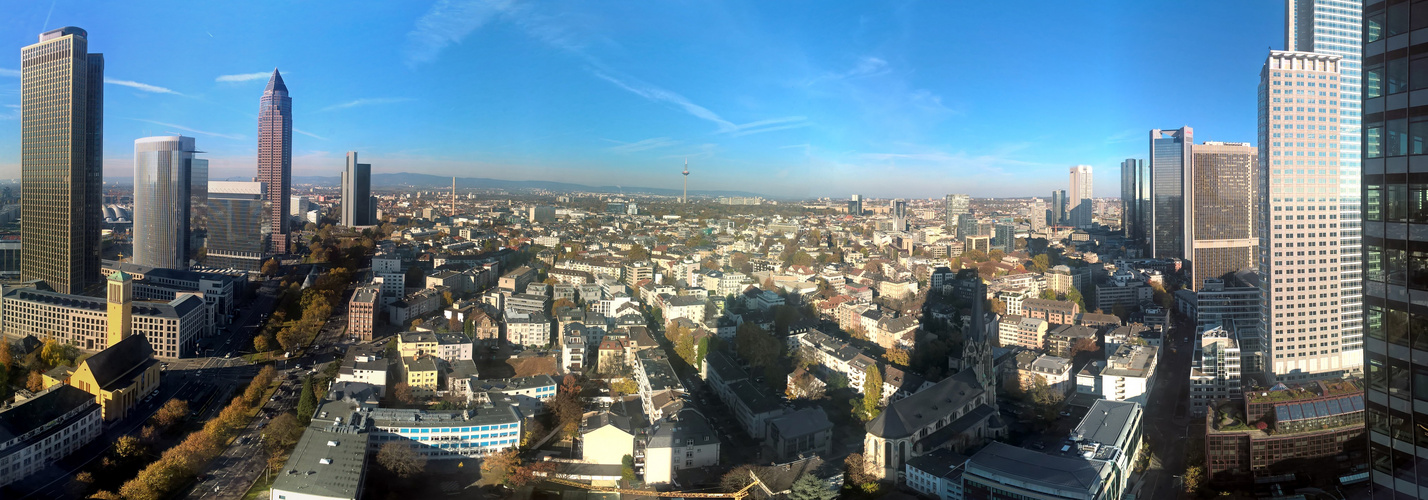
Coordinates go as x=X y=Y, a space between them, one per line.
x=790 y=99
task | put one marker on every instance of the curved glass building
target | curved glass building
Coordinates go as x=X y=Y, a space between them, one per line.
x=163 y=169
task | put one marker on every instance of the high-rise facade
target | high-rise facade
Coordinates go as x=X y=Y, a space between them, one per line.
x=1133 y=182
x=1395 y=247
x=1299 y=240
x=238 y=225
x=198 y=204
x=1169 y=161
x=163 y=169
x=356 y=192
x=898 y=210
x=1222 y=197
x=957 y=206
x=855 y=205
x=1056 y=215
x=1080 y=185
x=1334 y=27
x=275 y=156
x=61 y=160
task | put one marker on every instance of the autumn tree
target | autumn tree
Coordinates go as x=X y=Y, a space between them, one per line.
x=1074 y=295
x=757 y=346
x=567 y=406
x=172 y=412
x=1194 y=478
x=282 y=432
x=498 y=467
x=36 y=381
x=1040 y=263
x=127 y=447
x=897 y=356
x=403 y=394
x=872 y=392
x=270 y=268
x=399 y=459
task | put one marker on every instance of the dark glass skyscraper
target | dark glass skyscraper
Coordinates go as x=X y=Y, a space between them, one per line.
x=1133 y=189
x=1169 y=161
x=163 y=180
x=275 y=156
x=61 y=160
x=356 y=192
x=238 y=228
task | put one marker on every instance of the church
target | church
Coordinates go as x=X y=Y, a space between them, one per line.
x=958 y=413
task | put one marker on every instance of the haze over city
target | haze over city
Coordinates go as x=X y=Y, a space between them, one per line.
x=788 y=100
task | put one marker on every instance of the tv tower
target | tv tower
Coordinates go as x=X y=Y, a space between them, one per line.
x=685 y=198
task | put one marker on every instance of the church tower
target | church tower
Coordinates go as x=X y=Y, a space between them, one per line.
x=120 y=293
x=976 y=349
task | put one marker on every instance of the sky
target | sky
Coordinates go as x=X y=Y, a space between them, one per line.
x=791 y=99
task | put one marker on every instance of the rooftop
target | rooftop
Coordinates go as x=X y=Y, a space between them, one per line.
x=1003 y=463
x=325 y=464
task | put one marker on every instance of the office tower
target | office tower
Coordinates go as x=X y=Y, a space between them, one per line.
x=1004 y=237
x=357 y=192
x=61 y=160
x=1395 y=205
x=198 y=203
x=1221 y=197
x=1134 y=188
x=1080 y=194
x=162 y=183
x=1169 y=161
x=1056 y=215
x=1299 y=239
x=958 y=205
x=238 y=225
x=855 y=205
x=1334 y=27
x=275 y=155
x=899 y=214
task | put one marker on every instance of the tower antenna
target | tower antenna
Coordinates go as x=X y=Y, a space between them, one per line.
x=685 y=198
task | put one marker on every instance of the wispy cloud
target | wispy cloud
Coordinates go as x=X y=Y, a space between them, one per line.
x=309 y=134
x=700 y=151
x=243 y=77
x=447 y=22
x=10 y=72
x=141 y=86
x=1127 y=135
x=770 y=125
x=366 y=101
x=186 y=129
x=11 y=112
x=654 y=93
x=647 y=144
x=865 y=67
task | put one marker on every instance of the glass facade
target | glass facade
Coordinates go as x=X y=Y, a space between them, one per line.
x=1169 y=159
x=61 y=160
x=356 y=192
x=1133 y=187
x=163 y=169
x=275 y=156
x=1224 y=189
x=237 y=225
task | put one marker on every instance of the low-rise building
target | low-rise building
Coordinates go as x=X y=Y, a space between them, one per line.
x=1127 y=374
x=1061 y=341
x=1060 y=312
x=422 y=374
x=528 y=329
x=684 y=441
x=119 y=377
x=799 y=433
x=434 y=434
x=38 y=431
x=538 y=387
x=446 y=346
x=219 y=291
x=516 y=280
x=416 y=305
x=1013 y=330
x=937 y=474
x=173 y=328
x=362 y=312
x=659 y=386
x=605 y=438
x=1001 y=470
x=1054 y=371
x=364 y=365
x=1286 y=430
x=325 y=465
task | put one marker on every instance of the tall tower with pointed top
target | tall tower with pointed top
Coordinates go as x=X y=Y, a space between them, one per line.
x=685 y=198
x=275 y=156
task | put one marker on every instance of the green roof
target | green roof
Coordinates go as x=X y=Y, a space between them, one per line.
x=119 y=276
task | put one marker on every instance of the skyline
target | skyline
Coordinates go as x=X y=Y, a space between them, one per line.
x=813 y=102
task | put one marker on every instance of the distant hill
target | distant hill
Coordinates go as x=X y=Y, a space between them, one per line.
x=427 y=181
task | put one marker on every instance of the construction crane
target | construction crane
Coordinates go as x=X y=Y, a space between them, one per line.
x=741 y=494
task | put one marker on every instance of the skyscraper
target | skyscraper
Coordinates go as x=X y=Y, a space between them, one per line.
x=275 y=155
x=1334 y=27
x=1222 y=195
x=163 y=169
x=1080 y=192
x=356 y=192
x=899 y=214
x=855 y=205
x=1056 y=215
x=1395 y=205
x=1299 y=242
x=1134 y=188
x=958 y=205
x=198 y=203
x=238 y=218
x=61 y=160
x=1169 y=161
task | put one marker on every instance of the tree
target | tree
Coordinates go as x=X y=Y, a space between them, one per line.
x=855 y=470
x=282 y=432
x=897 y=356
x=872 y=392
x=997 y=306
x=623 y=386
x=400 y=459
x=270 y=268
x=638 y=252
x=756 y=346
x=996 y=255
x=1083 y=345
x=627 y=469
x=172 y=412
x=36 y=381
x=737 y=478
x=498 y=467
x=307 y=401
x=1074 y=295
x=55 y=353
x=127 y=447
x=1048 y=294
x=1040 y=263
x=808 y=487
x=1194 y=477
x=403 y=394
x=289 y=337
x=567 y=406
x=262 y=343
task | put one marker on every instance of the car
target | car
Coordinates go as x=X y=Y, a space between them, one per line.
x=228 y=356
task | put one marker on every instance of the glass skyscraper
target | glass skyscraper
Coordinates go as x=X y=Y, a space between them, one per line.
x=1169 y=160
x=356 y=192
x=163 y=180
x=275 y=155
x=1133 y=191
x=238 y=230
x=61 y=160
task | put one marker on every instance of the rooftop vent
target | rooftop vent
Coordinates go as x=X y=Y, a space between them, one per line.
x=325 y=461
x=332 y=443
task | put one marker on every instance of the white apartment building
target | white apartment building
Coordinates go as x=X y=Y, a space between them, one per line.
x=1299 y=107
x=1214 y=369
x=46 y=428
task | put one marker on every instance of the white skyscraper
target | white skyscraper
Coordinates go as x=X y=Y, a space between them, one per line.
x=1080 y=192
x=1334 y=27
x=163 y=168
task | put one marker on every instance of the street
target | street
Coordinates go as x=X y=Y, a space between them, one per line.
x=1167 y=416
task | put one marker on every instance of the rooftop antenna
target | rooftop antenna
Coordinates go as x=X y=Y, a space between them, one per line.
x=685 y=198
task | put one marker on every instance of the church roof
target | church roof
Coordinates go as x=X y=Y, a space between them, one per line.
x=905 y=416
x=115 y=366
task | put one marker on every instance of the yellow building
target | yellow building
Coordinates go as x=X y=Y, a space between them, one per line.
x=422 y=374
x=120 y=299
x=120 y=376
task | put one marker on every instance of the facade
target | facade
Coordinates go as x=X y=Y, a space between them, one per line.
x=357 y=206
x=1135 y=197
x=330 y=464
x=447 y=346
x=1214 y=369
x=362 y=312
x=1170 y=160
x=1222 y=197
x=1001 y=471
x=434 y=434
x=238 y=225
x=1336 y=27
x=219 y=291
x=1129 y=374
x=1080 y=193
x=528 y=329
x=1299 y=242
x=172 y=328
x=45 y=428
x=957 y=206
x=1060 y=312
x=1393 y=249
x=1031 y=367
x=1305 y=428
x=275 y=157
x=605 y=438
x=802 y=432
x=163 y=173
x=1014 y=330
x=936 y=475
x=1056 y=215
x=119 y=377
x=683 y=442
x=61 y=160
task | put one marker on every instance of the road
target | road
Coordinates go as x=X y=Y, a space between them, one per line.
x=1167 y=416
